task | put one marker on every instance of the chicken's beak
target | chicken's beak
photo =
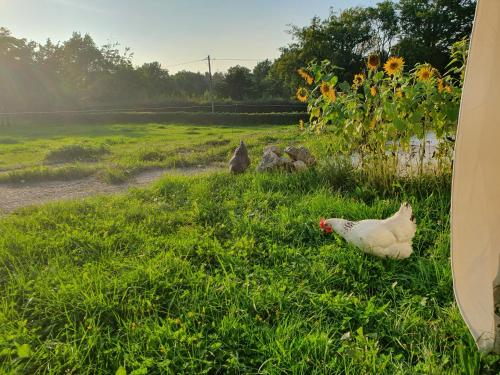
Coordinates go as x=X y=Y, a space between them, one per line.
x=325 y=227
x=322 y=222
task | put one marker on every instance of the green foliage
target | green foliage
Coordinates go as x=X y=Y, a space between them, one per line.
x=377 y=115
x=429 y=28
x=78 y=74
x=421 y=31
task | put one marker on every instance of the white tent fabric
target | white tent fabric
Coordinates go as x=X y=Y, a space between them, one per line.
x=475 y=214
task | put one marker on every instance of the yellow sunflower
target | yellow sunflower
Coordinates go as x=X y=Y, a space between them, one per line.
x=425 y=73
x=373 y=90
x=373 y=62
x=448 y=89
x=324 y=88
x=307 y=77
x=440 y=85
x=302 y=94
x=332 y=94
x=394 y=66
x=358 y=79
x=399 y=93
x=328 y=92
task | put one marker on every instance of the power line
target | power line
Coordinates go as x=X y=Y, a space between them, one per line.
x=238 y=59
x=213 y=59
x=185 y=63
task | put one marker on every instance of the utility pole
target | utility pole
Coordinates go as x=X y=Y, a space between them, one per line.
x=211 y=84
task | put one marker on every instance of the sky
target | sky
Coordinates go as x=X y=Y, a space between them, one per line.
x=172 y=32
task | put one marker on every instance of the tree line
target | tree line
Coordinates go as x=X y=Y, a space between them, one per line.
x=77 y=73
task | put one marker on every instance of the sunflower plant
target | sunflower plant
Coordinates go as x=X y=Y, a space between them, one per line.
x=386 y=105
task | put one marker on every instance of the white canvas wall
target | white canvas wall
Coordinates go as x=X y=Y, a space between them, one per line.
x=476 y=180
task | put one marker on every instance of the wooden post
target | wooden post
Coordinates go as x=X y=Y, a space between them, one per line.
x=211 y=84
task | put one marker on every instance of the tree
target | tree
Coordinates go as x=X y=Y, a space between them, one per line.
x=189 y=84
x=430 y=27
x=344 y=39
x=385 y=27
x=239 y=83
x=155 y=79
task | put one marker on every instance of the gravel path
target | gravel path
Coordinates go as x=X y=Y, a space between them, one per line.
x=16 y=196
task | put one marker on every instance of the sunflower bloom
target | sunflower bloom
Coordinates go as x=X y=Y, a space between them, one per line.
x=399 y=93
x=328 y=92
x=440 y=85
x=324 y=88
x=373 y=90
x=302 y=95
x=425 y=73
x=358 y=79
x=307 y=77
x=373 y=62
x=394 y=66
x=447 y=89
x=332 y=94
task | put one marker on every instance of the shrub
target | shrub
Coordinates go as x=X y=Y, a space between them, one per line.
x=158 y=117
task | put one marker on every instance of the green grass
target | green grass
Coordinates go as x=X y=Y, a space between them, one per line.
x=116 y=152
x=230 y=274
x=76 y=153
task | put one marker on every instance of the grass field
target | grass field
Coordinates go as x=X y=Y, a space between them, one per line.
x=228 y=274
x=116 y=152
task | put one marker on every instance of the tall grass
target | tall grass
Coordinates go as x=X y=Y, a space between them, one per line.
x=230 y=274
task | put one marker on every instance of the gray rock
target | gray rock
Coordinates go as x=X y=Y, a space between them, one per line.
x=300 y=153
x=269 y=162
x=299 y=165
x=292 y=151
x=286 y=163
x=240 y=160
x=275 y=149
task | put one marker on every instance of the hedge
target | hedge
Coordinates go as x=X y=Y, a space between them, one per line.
x=156 y=117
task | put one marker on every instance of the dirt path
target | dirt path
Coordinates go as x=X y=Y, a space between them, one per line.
x=16 y=196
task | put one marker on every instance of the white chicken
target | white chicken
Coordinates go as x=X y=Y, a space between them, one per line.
x=391 y=237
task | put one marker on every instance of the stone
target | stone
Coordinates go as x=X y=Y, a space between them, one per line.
x=269 y=162
x=299 y=165
x=240 y=160
x=300 y=153
x=292 y=151
x=275 y=149
x=286 y=163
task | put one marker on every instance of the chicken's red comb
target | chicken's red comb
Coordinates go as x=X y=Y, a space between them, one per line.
x=322 y=222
